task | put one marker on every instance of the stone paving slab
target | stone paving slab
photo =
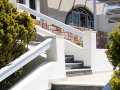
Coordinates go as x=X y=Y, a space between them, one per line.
x=99 y=79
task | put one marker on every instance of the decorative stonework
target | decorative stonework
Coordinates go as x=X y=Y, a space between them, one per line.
x=101 y=36
x=101 y=39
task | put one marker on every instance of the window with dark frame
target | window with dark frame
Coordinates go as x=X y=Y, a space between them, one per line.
x=80 y=17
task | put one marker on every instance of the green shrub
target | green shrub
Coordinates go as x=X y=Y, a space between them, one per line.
x=16 y=31
x=113 y=55
x=115 y=81
x=113 y=48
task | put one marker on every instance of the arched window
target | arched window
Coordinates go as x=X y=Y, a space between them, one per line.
x=80 y=16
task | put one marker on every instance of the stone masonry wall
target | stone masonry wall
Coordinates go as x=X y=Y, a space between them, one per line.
x=101 y=36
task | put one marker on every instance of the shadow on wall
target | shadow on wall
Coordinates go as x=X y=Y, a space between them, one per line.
x=44 y=6
x=55 y=13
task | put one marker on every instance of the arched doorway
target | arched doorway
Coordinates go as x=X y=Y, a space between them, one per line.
x=80 y=16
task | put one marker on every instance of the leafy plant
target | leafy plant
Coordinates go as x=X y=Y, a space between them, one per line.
x=79 y=43
x=16 y=31
x=115 y=81
x=113 y=48
x=113 y=55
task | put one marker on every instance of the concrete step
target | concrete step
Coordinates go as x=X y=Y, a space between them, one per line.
x=70 y=87
x=78 y=72
x=73 y=65
x=86 y=82
x=69 y=58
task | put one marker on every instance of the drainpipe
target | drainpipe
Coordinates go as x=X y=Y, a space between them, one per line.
x=95 y=14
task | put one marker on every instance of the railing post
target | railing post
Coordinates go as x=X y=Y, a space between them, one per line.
x=27 y=3
x=95 y=14
x=56 y=52
x=37 y=6
x=89 y=45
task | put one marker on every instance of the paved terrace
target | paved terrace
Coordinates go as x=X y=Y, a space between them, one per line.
x=99 y=79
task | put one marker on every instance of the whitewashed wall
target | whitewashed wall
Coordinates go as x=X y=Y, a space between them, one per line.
x=70 y=48
x=54 y=68
x=58 y=9
x=96 y=58
x=40 y=78
x=100 y=61
x=73 y=49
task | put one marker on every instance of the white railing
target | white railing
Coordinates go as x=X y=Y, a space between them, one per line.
x=24 y=59
x=51 y=20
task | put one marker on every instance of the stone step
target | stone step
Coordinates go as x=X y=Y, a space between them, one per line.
x=78 y=72
x=73 y=65
x=71 y=87
x=69 y=59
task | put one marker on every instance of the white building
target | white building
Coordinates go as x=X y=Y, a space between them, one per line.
x=90 y=14
x=78 y=13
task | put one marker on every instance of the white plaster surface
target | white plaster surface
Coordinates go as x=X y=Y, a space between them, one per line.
x=99 y=79
x=40 y=78
x=100 y=61
x=73 y=49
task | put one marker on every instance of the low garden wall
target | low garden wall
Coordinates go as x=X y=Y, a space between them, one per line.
x=101 y=36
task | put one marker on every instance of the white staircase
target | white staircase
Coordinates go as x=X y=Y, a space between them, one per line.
x=55 y=48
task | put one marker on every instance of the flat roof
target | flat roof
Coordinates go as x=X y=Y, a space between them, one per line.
x=116 y=19
x=110 y=2
x=113 y=15
x=113 y=11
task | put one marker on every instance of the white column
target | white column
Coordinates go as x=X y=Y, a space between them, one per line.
x=89 y=45
x=95 y=14
x=27 y=3
x=37 y=6
x=56 y=54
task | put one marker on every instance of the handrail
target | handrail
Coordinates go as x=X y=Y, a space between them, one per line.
x=51 y=20
x=24 y=59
